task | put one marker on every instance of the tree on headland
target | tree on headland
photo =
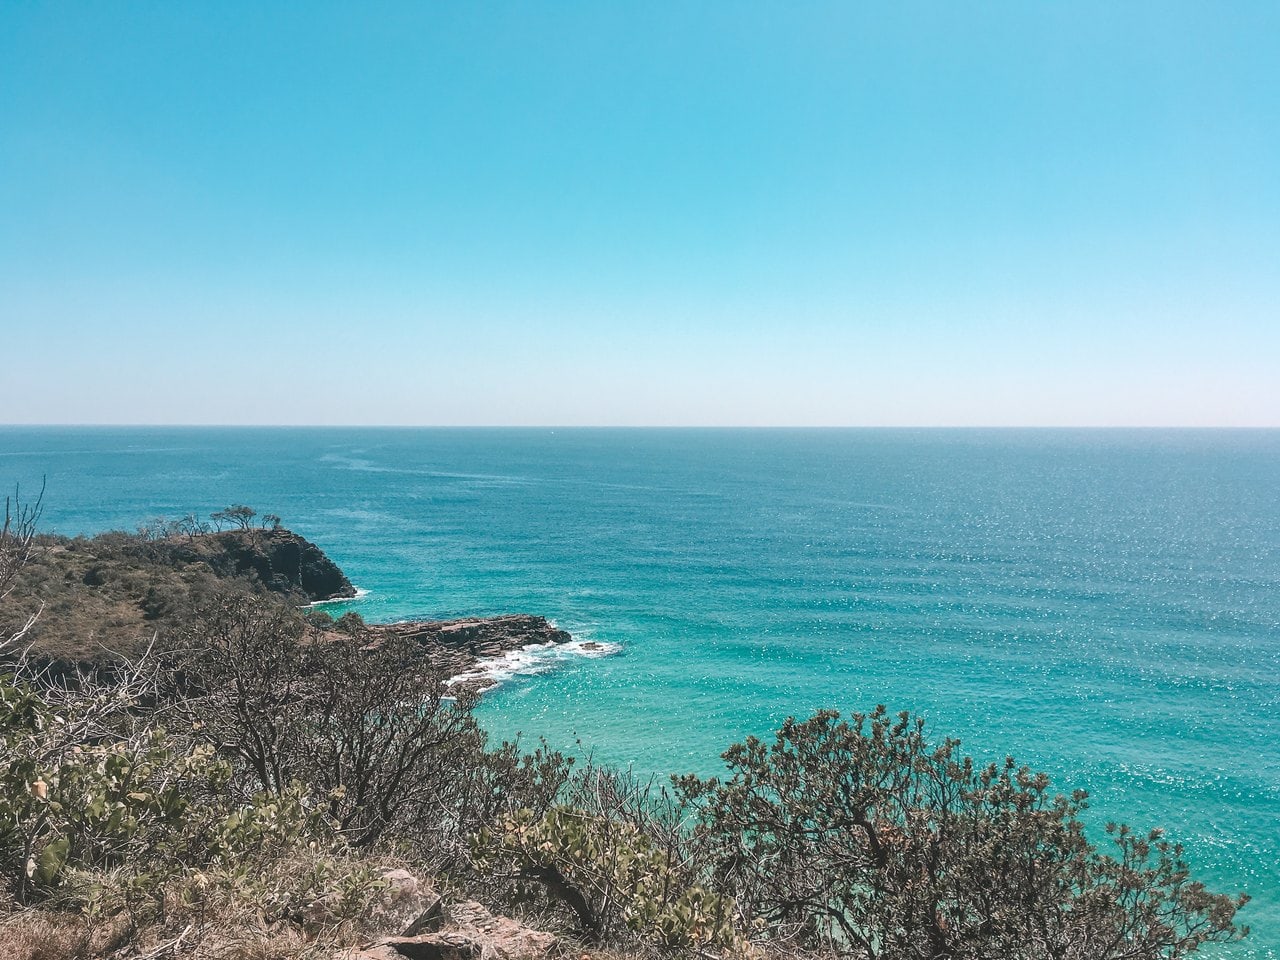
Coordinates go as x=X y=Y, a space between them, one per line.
x=191 y=526
x=237 y=516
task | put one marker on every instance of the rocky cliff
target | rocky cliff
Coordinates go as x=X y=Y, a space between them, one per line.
x=107 y=595
x=279 y=559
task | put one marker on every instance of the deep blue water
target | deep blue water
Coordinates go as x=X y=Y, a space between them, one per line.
x=1104 y=605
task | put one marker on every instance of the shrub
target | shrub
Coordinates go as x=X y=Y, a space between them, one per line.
x=612 y=876
x=85 y=787
x=368 y=724
x=110 y=819
x=865 y=838
x=350 y=622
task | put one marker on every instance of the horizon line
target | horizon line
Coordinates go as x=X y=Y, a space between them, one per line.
x=614 y=426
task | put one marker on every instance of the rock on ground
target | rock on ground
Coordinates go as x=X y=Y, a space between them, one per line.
x=465 y=931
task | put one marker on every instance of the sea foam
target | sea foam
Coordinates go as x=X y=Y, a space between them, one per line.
x=361 y=593
x=536 y=658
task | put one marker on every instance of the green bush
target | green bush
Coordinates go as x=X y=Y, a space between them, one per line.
x=83 y=787
x=610 y=874
x=866 y=838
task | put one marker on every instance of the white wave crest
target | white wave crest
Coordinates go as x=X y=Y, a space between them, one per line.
x=530 y=661
x=361 y=593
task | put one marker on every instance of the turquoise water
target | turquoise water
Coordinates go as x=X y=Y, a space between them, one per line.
x=1101 y=604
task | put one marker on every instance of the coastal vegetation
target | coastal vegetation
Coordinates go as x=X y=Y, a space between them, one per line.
x=105 y=597
x=246 y=780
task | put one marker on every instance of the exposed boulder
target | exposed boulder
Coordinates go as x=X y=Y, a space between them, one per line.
x=470 y=932
x=502 y=938
x=405 y=906
x=408 y=905
x=482 y=636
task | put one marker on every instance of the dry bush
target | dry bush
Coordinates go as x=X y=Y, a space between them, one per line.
x=45 y=935
x=298 y=903
x=367 y=725
x=54 y=933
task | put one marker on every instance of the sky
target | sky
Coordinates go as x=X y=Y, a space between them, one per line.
x=620 y=213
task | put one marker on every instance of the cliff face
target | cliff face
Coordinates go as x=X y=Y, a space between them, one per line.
x=280 y=559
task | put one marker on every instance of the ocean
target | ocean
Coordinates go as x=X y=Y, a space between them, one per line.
x=1103 y=605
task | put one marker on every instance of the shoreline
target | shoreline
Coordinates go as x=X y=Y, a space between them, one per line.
x=360 y=594
x=482 y=653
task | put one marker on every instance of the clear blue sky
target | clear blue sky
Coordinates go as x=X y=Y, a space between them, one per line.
x=640 y=213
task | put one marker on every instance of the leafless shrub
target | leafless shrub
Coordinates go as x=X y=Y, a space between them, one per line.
x=367 y=724
x=17 y=542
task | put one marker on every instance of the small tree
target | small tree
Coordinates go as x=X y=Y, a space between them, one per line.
x=617 y=880
x=191 y=526
x=237 y=664
x=158 y=529
x=613 y=852
x=237 y=516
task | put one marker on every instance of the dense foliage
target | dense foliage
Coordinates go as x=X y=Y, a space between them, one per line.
x=613 y=876
x=869 y=839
